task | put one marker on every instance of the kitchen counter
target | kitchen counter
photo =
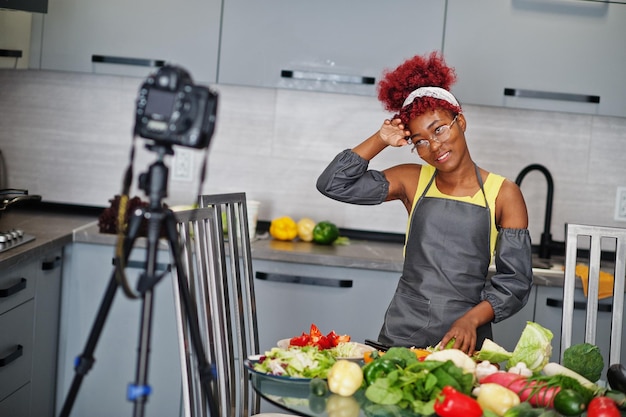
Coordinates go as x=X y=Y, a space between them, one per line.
x=56 y=228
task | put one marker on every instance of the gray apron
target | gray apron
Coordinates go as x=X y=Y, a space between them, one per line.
x=446 y=261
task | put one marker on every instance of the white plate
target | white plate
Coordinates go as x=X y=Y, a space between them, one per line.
x=361 y=348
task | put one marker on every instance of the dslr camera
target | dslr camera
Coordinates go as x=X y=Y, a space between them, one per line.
x=171 y=110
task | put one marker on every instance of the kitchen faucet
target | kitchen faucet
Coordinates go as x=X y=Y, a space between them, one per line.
x=546 y=237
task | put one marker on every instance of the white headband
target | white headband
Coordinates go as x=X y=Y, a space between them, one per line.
x=435 y=92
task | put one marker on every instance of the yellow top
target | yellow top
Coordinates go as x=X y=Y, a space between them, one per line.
x=491 y=186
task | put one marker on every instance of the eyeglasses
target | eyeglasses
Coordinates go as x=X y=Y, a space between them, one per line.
x=442 y=134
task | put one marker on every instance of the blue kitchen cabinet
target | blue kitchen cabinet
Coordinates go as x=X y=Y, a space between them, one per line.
x=141 y=32
x=547 y=55
x=327 y=45
x=86 y=275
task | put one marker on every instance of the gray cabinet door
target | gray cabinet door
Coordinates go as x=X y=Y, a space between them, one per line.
x=507 y=332
x=292 y=296
x=549 y=312
x=86 y=275
x=325 y=45
x=535 y=47
x=184 y=32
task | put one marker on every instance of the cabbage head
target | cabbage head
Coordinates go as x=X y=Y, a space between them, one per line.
x=584 y=359
x=533 y=348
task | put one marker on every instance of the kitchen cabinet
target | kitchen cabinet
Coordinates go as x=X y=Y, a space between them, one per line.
x=292 y=296
x=14 y=38
x=29 y=314
x=327 y=45
x=103 y=390
x=548 y=55
x=549 y=311
x=131 y=38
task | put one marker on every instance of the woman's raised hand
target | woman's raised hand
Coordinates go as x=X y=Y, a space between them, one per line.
x=393 y=133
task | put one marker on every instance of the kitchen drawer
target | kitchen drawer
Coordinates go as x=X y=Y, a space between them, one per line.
x=17 y=285
x=17 y=404
x=16 y=347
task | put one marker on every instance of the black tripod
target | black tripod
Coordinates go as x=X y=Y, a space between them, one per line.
x=154 y=183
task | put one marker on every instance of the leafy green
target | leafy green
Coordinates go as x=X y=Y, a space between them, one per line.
x=402 y=353
x=533 y=347
x=416 y=386
x=492 y=352
x=585 y=359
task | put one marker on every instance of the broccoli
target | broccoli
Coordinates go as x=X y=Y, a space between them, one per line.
x=584 y=359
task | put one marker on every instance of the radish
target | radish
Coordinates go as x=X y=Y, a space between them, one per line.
x=536 y=393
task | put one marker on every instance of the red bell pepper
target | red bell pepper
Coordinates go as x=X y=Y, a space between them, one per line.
x=452 y=403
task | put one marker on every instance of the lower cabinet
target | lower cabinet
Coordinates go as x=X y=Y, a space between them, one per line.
x=29 y=314
x=549 y=312
x=103 y=390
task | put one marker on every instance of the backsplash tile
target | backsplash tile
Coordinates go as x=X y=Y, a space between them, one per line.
x=67 y=136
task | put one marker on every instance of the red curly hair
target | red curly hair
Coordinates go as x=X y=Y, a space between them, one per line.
x=419 y=71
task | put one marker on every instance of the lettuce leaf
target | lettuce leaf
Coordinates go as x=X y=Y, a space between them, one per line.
x=533 y=347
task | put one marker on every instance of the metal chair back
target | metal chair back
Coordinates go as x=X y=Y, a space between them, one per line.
x=596 y=238
x=217 y=256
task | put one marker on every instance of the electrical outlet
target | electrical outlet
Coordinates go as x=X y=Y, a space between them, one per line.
x=620 y=204
x=182 y=165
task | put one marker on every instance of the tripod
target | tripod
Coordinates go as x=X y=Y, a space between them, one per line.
x=158 y=218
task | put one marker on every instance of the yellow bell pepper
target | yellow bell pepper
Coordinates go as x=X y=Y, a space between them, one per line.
x=345 y=378
x=283 y=228
x=305 y=229
x=496 y=398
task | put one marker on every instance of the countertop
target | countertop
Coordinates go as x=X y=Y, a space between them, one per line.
x=56 y=228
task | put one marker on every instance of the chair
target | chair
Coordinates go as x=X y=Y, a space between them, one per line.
x=597 y=238
x=217 y=260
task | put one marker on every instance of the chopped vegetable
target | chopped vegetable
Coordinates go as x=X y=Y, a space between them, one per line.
x=460 y=359
x=304 y=362
x=584 y=359
x=315 y=337
x=451 y=403
x=533 y=347
x=305 y=229
x=325 y=233
x=283 y=228
x=345 y=378
x=496 y=398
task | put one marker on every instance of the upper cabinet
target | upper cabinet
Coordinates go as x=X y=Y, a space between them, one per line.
x=131 y=37
x=324 y=45
x=563 y=55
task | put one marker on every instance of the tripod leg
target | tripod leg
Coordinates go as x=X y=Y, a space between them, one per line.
x=204 y=367
x=85 y=361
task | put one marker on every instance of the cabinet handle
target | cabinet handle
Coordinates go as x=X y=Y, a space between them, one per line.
x=294 y=279
x=19 y=349
x=140 y=62
x=50 y=265
x=7 y=292
x=11 y=53
x=578 y=305
x=549 y=95
x=323 y=76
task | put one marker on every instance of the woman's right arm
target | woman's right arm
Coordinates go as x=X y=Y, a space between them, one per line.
x=347 y=178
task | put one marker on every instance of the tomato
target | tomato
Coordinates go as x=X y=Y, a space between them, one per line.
x=602 y=407
x=302 y=340
x=317 y=338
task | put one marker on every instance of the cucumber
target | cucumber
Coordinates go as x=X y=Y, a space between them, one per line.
x=569 y=402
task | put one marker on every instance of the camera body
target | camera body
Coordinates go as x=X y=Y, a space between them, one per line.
x=171 y=110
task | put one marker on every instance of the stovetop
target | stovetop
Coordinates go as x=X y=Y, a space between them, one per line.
x=10 y=239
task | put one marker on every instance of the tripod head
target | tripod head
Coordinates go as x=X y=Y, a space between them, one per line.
x=154 y=182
